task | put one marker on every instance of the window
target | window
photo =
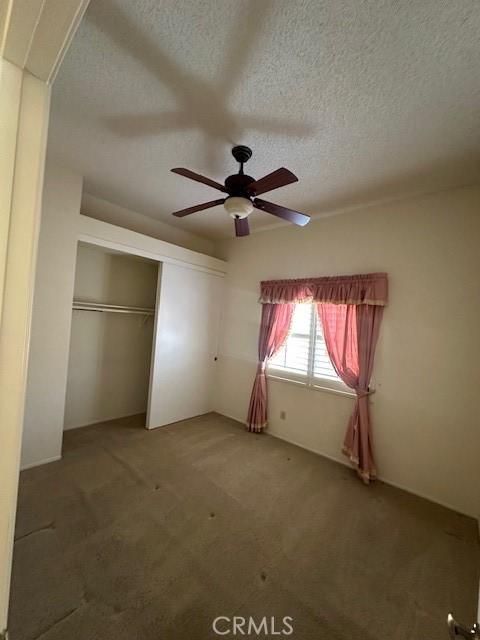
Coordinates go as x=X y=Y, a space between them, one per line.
x=303 y=357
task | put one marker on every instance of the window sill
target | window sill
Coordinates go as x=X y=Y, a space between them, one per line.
x=313 y=387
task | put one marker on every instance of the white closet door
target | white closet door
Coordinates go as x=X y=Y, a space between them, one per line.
x=185 y=344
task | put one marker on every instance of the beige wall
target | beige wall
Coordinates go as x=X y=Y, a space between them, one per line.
x=28 y=60
x=425 y=412
x=110 y=353
x=48 y=360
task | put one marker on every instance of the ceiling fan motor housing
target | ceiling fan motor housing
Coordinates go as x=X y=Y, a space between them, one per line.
x=237 y=184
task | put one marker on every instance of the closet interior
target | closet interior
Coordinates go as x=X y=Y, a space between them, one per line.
x=112 y=329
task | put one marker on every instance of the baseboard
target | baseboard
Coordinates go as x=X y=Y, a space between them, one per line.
x=343 y=462
x=425 y=496
x=226 y=415
x=40 y=462
x=347 y=464
x=290 y=441
x=90 y=424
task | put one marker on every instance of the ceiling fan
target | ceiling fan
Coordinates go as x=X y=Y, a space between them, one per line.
x=242 y=192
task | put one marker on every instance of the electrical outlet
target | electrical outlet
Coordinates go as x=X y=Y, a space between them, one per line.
x=283 y=415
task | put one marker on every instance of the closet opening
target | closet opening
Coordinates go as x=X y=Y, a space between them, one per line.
x=113 y=313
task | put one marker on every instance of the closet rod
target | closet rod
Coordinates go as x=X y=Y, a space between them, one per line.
x=79 y=305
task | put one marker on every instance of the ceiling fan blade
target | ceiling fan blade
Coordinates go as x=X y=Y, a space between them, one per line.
x=279 y=178
x=198 y=178
x=197 y=207
x=241 y=227
x=300 y=219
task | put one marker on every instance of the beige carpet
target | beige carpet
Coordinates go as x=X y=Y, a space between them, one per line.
x=151 y=535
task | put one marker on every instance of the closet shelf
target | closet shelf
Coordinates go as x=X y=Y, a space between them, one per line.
x=80 y=305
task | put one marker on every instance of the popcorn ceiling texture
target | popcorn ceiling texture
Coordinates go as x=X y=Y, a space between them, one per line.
x=365 y=101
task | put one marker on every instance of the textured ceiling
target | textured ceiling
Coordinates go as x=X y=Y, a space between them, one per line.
x=364 y=100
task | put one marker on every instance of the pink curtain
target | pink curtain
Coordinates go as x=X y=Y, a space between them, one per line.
x=351 y=334
x=275 y=324
x=350 y=309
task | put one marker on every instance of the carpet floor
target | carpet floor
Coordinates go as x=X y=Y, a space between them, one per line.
x=151 y=535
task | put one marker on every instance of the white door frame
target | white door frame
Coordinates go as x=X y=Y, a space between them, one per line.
x=34 y=37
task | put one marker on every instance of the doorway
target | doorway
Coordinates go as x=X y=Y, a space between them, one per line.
x=111 y=336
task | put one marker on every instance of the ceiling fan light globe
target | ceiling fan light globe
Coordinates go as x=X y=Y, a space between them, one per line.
x=238 y=207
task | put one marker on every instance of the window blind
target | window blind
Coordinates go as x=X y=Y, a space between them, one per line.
x=304 y=352
x=295 y=352
x=322 y=365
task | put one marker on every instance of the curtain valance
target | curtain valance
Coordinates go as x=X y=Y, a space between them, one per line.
x=369 y=288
